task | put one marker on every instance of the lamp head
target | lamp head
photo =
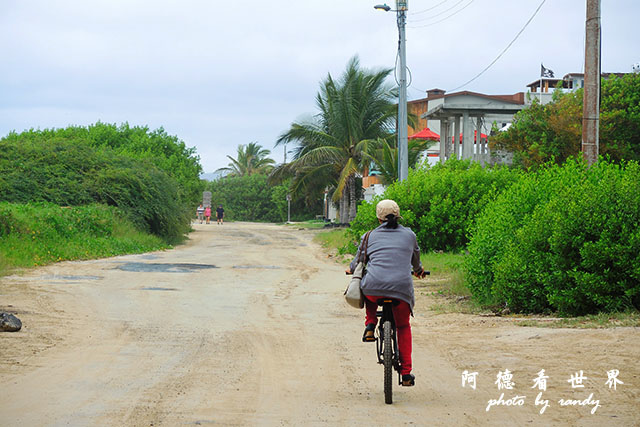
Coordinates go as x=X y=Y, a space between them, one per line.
x=384 y=7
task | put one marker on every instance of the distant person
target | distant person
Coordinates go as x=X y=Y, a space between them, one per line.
x=207 y=213
x=220 y=214
x=200 y=212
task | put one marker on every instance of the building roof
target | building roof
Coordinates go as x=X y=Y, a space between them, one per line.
x=516 y=98
x=443 y=111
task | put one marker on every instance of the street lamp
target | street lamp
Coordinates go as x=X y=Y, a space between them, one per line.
x=403 y=149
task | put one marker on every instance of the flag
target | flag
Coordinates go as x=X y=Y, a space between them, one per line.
x=545 y=72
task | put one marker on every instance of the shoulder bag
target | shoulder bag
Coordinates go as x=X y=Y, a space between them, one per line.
x=353 y=294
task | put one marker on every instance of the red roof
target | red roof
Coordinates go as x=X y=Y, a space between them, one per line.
x=426 y=133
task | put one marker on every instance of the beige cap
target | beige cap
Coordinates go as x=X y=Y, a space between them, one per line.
x=386 y=207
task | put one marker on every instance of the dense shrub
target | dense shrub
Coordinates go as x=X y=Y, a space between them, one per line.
x=146 y=194
x=166 y=152
x=564 y=239
x=440 y=203
x=71 y=173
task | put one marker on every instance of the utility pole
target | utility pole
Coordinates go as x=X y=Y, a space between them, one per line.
x=591 y=97
x=403 y=145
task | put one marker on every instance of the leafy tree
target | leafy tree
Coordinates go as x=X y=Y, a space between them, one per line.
x=251 y=159
x=553 y=132
x=353 y=112
x=253 y=198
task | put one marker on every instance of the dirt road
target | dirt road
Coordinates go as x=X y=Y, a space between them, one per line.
x=245 y=326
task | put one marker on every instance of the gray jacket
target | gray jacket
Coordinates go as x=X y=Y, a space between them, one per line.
x=391 y=254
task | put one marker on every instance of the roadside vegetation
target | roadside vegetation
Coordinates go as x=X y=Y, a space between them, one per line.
x=43 y=233
x=254 y=198
x=546 y=236
x=95 y=191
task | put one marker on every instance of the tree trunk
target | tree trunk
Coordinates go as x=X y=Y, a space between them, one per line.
x=353 y=203
x=344 y=206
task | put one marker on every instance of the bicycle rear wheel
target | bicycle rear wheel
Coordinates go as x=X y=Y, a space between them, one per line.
x=387 y=359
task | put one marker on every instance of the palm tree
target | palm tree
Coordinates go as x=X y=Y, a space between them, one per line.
x=384 y=154
x=251 y=159
x=353 y=113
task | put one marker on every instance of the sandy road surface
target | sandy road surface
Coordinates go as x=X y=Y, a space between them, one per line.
x=245 y=326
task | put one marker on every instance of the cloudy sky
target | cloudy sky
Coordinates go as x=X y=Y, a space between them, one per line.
x=222 y=73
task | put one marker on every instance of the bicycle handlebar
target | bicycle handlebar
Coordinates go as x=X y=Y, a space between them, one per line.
x=420 y=274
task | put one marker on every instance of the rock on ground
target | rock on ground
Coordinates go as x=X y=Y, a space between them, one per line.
x=9 y=322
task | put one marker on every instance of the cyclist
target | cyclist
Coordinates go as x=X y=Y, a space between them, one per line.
x=392 y=251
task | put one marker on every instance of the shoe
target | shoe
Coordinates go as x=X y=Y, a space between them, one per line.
x=408 y=380
x=369 y=334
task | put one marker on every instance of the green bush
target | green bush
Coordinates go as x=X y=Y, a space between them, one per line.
x=165 y=152
x=147 y=195
x=71 y=173
x=440 y=203
x=564 y=239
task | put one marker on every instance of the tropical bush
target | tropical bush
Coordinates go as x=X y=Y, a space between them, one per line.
x=440 y=204
x=70 y=172
x=563 y=239
x=166 y=152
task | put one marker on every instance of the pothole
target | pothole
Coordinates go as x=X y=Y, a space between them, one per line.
x=141 y=267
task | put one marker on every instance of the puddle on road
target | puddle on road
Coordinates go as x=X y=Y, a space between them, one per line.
x=265 y=267
x=155 y=288
x=141 y=267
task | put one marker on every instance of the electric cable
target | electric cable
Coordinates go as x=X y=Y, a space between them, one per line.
x=445 y=18
x=426 y=10
x=438 y=14
x=505 y=49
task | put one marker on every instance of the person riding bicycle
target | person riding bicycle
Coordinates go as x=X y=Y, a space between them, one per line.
x=392 y=251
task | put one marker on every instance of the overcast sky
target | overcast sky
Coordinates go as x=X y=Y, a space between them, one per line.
x=222 y=73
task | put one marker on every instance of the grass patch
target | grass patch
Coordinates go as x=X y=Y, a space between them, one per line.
x=43 y=233
x=591 y=321
x=335 y=240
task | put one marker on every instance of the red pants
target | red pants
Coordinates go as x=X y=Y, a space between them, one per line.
x=401 y=313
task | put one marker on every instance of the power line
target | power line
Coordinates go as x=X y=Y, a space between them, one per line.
x=445 y=18
x=505 y=49
x=438 y=14
x=427 y=10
